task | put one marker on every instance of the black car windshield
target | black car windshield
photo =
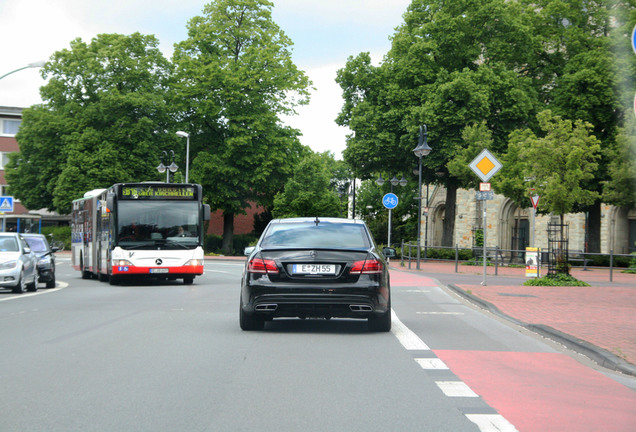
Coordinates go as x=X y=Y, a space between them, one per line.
x=37 y=244
x=311 y=235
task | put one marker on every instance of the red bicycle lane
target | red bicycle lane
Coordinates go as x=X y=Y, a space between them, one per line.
x=538 y=391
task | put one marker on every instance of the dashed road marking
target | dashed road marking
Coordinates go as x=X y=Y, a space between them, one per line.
x=440 y=313
x=491 y=423
x=410 y=341
x=431 y=363
x=456 y=389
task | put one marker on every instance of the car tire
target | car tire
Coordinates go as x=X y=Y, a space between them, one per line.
x=250 y=322
x=51 y=283
x=33 y=286
x=380 y=323
x=21 y=286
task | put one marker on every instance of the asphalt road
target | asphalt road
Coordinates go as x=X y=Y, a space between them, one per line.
x=88 y=356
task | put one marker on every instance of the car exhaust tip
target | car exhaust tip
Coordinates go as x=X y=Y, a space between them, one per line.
x=266 y=307
x=360 y=308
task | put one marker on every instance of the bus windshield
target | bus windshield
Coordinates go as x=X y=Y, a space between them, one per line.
x=173 y=224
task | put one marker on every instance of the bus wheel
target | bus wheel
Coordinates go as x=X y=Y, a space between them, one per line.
x=188 y=280
x=113 y=280
x=85 y=274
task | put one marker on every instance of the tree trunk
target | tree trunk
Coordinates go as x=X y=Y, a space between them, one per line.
x=449 y=215
x=227 y=246
x=594 y=228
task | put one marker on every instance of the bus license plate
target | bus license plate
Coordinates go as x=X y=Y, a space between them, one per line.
x=314 y=269
x=159 y=270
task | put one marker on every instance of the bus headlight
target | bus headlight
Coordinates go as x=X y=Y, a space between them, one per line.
x=194 y=262
x=121 y=262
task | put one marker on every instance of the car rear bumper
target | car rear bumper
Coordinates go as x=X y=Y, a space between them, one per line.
x=312 y=302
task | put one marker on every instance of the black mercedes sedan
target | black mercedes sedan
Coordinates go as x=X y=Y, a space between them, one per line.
x=316 y=268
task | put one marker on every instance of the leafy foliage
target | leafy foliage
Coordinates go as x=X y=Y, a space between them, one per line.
x=310 y=191
x=104 y=108
x=234 y=77
x=559 y=279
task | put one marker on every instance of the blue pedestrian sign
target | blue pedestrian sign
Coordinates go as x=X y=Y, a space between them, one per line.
x=634 y=39
x=390 y=200
x=6 y=204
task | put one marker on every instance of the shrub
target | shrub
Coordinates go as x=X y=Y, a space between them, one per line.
x=60 y=233
x=559 y=279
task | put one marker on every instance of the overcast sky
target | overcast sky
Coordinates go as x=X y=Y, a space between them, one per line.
x=325 y=33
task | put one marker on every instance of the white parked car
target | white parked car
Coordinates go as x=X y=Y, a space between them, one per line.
x=18 y=264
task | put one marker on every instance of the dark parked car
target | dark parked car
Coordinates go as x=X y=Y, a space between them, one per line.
x=316 y=268
x=46 y=257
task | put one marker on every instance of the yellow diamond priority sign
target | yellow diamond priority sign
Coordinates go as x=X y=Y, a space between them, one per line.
x=485 y=165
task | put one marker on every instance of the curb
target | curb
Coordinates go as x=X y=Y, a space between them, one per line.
x=601 y=356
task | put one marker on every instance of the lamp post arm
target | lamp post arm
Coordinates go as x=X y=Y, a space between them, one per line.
x=30 y=65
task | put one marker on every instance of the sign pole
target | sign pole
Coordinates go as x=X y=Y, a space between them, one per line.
x=389 y=238
x=485 y=225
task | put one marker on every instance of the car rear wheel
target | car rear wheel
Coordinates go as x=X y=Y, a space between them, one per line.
x=380 y=323
x=21 y=286
x=250 y=322
x=51 y=283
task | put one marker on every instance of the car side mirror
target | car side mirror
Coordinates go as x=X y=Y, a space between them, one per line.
x=248 y=250
x=389 y=252
x=55 y=249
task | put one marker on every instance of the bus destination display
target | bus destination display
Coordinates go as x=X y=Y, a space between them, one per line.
x=150 y=192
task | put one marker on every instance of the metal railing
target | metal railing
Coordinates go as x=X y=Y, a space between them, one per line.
x=512 y=257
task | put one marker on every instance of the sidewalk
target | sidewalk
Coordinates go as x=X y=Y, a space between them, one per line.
x=598 y=321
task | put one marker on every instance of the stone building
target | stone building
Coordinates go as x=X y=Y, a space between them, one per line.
x=512 y=228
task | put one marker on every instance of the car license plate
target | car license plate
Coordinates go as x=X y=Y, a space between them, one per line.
x=314 y=269
x=159 y=270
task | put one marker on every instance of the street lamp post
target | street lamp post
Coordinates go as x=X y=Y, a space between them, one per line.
x=422 y=149
x=394 y=182
x=187 y=137
x=37 y=64
x=167 y=169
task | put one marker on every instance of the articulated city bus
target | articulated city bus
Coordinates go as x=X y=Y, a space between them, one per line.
x=149 y=230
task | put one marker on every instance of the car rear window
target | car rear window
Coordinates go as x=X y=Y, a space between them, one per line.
x=322 y=235
x=36 y=243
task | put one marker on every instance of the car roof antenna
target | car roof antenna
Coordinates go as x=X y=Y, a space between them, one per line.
x=317 y=221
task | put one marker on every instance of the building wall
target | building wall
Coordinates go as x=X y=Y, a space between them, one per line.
x=502 y=216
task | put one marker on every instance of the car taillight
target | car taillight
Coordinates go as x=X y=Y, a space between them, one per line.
x=259 y=265
x=366 y=267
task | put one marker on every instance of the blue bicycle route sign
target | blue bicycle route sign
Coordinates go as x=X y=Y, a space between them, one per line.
x=390 y=200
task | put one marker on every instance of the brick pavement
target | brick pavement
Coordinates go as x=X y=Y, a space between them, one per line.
x=603 y=315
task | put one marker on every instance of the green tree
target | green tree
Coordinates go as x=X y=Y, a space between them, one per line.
x=451 y=65
x=311 y=191
x=583 y=67
x=558 y=163
x=234 y=78
x=102 y=121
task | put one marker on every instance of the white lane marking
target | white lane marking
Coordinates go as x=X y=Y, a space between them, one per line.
x=407 y=338
x=456 y=389
x=417 y=291
x=431 y=363
x=491 y=423
x=61 y=285
x=440 y=313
